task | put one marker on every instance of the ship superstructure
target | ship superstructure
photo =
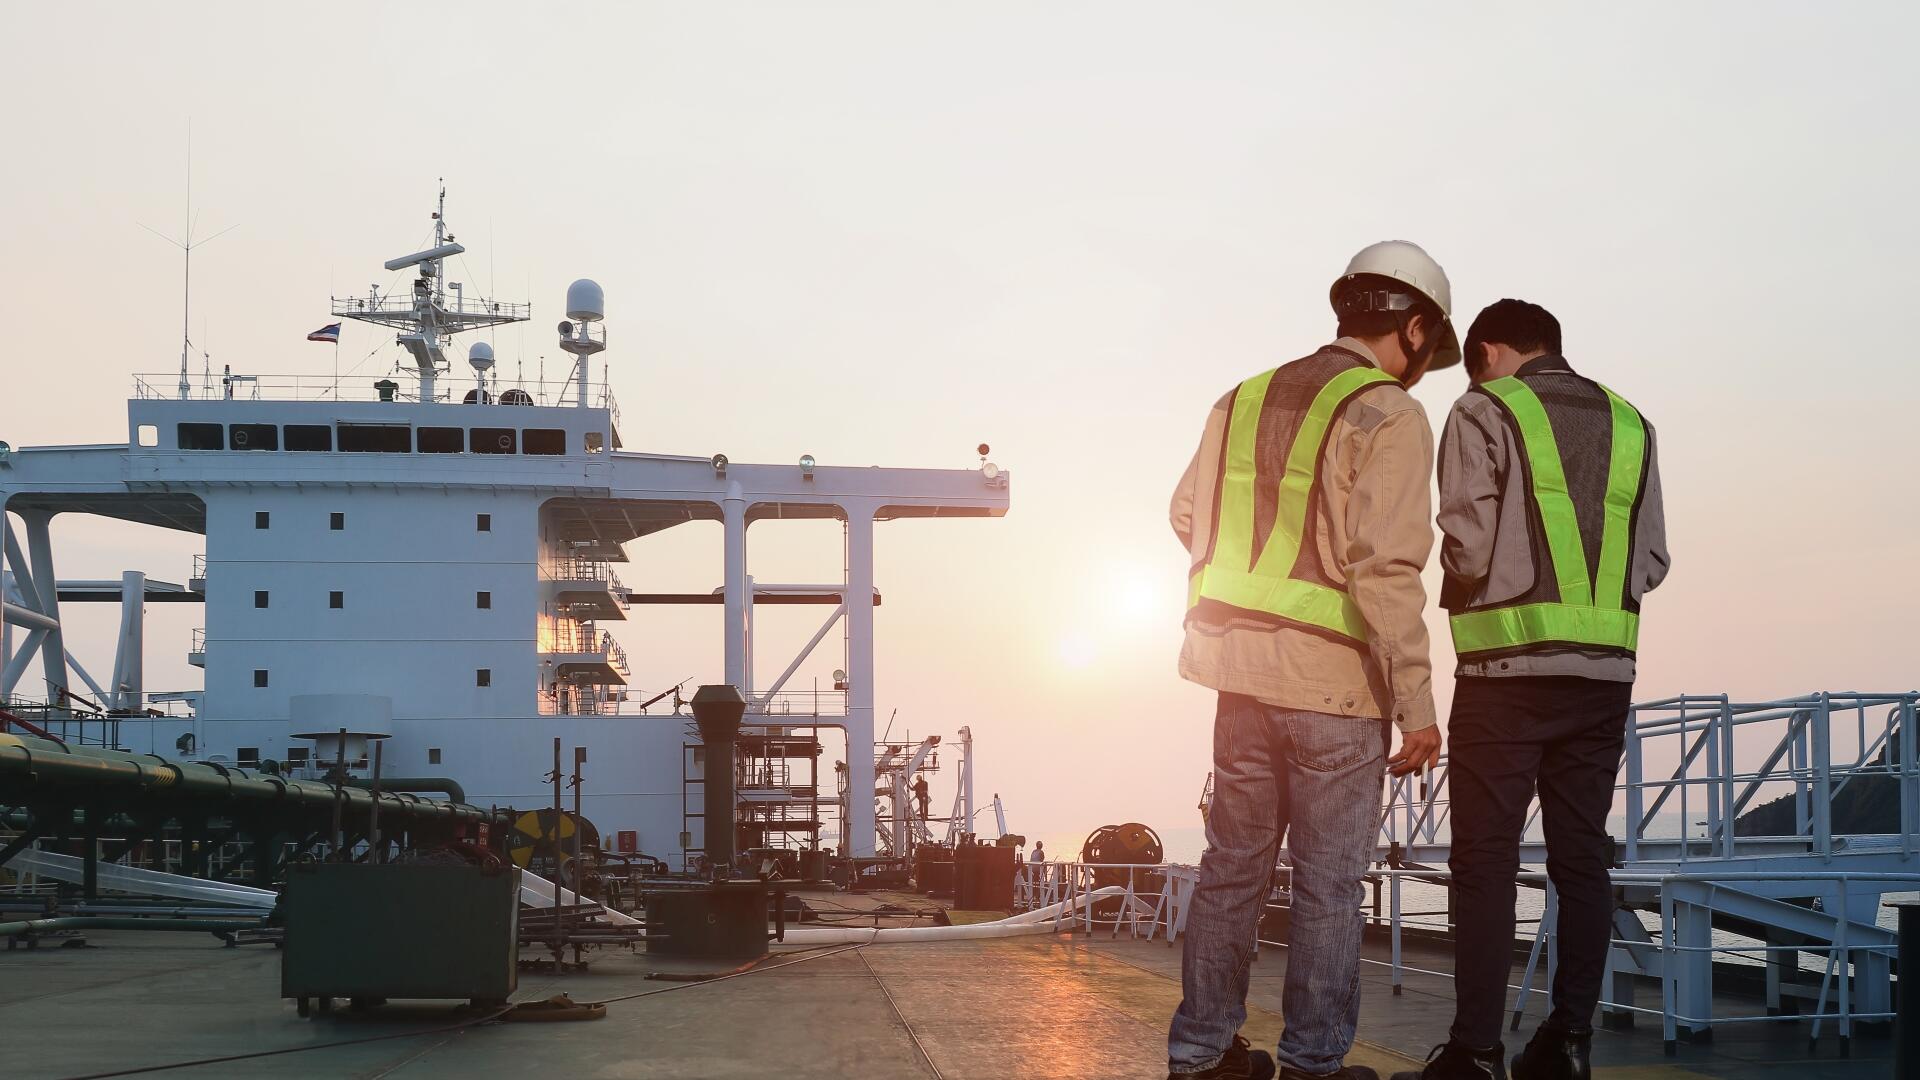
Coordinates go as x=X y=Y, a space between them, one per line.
x=449 y=545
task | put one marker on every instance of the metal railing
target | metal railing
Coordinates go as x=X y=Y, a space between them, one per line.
x=582 y=568
x=583 y=699
x=403 y=304
x=1152 y=900
x=1806 y=761
x=1854 y=981
x=400 y=385
x=1812 y=756
x=799 y=703
x=567 y=636
x=1856 y=973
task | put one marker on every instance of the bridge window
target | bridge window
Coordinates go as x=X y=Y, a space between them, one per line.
x=296 y=755
x=309 y=437
x=543 y=441
x=442 y=440
x=202 y=437
x=148 y=435
x=254 y=436
x=247 y=757
x=375 y=438
x=493 y=440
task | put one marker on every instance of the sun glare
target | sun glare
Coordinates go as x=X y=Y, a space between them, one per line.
x=1077 y=650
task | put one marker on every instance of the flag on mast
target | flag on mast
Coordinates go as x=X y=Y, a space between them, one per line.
x=329 y=333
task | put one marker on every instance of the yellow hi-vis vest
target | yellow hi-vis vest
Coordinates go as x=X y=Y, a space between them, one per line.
x=1587 y=612
x=1230 y=575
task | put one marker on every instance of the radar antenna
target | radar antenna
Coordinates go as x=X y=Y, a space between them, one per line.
x=425 y=321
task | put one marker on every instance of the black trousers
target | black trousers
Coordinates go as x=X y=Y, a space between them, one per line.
x=1506 y=736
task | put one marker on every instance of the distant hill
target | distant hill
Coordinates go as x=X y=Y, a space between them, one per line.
x=1868 y=804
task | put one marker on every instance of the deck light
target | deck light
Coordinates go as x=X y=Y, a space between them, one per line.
x=806 y=466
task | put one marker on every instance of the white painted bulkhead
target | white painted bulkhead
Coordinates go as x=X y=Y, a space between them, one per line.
x=399 y=537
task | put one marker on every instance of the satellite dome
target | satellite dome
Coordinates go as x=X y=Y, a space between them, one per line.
x=585 y=301
x=480 y=356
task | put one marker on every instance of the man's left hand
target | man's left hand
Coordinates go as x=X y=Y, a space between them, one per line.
x=1418 y=750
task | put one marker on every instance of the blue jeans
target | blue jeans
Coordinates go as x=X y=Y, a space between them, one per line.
x=1314 y=779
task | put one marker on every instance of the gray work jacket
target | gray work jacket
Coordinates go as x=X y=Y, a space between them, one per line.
x=1484 y=517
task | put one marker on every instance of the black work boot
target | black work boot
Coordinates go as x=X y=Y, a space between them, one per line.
x=1555 y=1053
x=1238 y=1063
x=1455 y=1060
x=1350 y=1072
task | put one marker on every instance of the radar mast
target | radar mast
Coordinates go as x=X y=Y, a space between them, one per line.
x=425 y=322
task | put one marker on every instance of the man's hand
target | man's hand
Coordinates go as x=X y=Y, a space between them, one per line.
x=1418 y=750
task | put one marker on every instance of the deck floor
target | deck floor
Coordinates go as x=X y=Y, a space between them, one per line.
x=1028 y=1007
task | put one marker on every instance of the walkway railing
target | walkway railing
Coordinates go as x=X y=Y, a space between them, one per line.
x=1152 y=901
x=1854 y=979
x=799 y=703
x=399 y=386
x=1811 y=748
x=571 y=637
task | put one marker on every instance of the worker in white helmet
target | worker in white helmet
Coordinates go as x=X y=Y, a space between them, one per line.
x=1306 y=517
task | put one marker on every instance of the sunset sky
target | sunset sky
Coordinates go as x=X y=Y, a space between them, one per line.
x=884 y=233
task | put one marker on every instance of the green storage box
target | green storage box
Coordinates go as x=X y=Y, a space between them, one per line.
x=400 y=930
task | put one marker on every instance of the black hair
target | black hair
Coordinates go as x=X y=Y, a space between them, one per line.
x=1517 y=324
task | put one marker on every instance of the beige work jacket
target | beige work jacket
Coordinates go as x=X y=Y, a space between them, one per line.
x=1373 y=523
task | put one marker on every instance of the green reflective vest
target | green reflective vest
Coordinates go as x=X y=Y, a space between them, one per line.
x=1587 y=612
x=1231 y=575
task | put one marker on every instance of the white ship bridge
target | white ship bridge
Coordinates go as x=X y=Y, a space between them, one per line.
x=450 y=546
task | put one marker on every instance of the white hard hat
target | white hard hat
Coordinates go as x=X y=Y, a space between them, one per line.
x=1409 y=264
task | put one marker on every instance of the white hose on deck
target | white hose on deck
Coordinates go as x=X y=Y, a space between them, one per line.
x=1038 y=921
x=1054 y=911
x=538 y=892
x=115 y=877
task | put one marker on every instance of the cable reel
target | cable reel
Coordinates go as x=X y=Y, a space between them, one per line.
x=1116 y=846
x=1128 y=843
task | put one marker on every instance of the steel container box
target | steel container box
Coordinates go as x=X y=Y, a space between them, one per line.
x=722 y=921
x=401 y=931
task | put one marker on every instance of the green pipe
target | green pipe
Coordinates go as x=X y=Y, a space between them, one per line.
x=444 y=784
x=43 y=761
x=95 y=922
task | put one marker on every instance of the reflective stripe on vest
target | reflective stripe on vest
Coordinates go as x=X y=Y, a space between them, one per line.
x=1230 y=575
x=1588 y=612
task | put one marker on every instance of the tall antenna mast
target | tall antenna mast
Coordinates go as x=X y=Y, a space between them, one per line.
x=425 y=323
x=186 y=276
x=186 y=244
